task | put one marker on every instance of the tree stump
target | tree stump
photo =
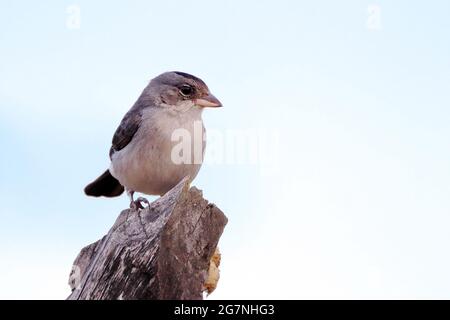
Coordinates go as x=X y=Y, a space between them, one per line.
x=160 y=252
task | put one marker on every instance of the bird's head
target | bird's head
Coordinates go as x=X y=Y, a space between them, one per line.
x=182 y=91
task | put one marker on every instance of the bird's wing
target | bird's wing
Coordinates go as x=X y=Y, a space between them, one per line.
x=126 y=130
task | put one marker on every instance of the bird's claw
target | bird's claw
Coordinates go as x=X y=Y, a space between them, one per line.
x=138 y=203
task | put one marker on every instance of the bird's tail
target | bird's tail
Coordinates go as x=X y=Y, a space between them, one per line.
x=105 y=185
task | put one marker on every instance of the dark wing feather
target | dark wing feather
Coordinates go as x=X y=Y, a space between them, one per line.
x=126 y=130
x=105 y=185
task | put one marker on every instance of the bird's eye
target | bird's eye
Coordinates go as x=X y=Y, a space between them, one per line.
x=186 y=90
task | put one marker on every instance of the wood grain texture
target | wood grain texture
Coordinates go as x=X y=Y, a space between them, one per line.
x=161 y=252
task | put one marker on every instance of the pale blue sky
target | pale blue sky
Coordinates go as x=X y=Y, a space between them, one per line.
x=359 y=205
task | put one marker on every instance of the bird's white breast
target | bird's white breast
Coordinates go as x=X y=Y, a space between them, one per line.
x=146 y=164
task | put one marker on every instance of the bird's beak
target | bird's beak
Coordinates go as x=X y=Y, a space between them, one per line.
x=208 y=101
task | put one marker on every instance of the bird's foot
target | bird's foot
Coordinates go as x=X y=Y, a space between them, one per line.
x=138 y=203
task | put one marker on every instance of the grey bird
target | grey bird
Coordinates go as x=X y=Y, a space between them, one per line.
x=142 y=151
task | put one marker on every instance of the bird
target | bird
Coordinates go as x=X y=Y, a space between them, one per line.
x=145 y=155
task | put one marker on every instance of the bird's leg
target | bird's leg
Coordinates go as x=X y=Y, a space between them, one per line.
x=130 y=194
x=136 y=204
